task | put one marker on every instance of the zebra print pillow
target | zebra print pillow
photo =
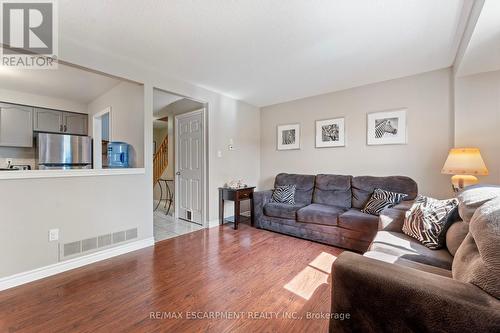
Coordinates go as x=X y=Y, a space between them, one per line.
x=382 y=199
x=429 y=219
x=284 y=194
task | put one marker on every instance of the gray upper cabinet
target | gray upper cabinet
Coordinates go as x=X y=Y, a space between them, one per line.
x=16 y=125
x=46 y=120
x=75 y=123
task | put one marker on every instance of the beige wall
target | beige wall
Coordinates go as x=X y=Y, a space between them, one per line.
x=88 y=206
x=228 y=119
x=240 y=122
x=80 y=207
x=127 y=117
x=477 y=118
x=430 y=133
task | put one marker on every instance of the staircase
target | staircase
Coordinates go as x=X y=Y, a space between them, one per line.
x=160 y=161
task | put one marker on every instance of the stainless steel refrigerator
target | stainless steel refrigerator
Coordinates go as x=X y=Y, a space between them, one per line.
x=59 y=151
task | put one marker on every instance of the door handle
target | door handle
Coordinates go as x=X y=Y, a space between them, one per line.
x=178 y=173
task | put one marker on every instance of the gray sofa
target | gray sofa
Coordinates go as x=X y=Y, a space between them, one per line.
x=328 y=208
x=399 y=285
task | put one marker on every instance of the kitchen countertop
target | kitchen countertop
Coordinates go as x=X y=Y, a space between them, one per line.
x=27 y=174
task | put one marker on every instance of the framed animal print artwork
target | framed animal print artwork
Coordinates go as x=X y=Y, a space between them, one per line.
x=387 y=127
x=330 y=133
x=288 y=137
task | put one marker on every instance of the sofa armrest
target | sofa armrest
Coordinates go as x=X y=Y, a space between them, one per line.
x=260 y=199
x=384 y=297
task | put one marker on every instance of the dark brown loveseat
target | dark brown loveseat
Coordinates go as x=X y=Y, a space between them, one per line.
x=399 y=285
x=328 y=208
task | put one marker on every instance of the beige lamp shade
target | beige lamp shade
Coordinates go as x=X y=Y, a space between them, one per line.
x=465 y=161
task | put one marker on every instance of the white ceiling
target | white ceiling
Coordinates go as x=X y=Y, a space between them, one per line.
x=270 y=51
x=483 y=52
x=66 y=82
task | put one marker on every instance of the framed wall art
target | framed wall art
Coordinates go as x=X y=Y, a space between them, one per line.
x=330 y=133
x=387 y=127
x=288 y=137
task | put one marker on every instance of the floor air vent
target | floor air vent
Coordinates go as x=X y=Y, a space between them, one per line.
x=73 y=248
x=91 y=244
x=104 y=240
x=131 y=234
x=118 y=237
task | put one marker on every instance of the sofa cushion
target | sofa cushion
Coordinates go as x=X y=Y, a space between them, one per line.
x=382 y=199
x=428 y=220
x=407 y=263
x=455 y=236
x=364 y=186
x=334 y=190
x=391 y=219
x=304 y=185
x=473 y=197
x=477 y=260
x=401 y=245
x=282 y=210
x=284 y=194
x=319 y=214
x=354 y=219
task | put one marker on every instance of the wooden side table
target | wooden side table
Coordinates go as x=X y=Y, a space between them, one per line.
x=237 y=195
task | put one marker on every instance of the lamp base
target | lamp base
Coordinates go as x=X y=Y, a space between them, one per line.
x=460 y=181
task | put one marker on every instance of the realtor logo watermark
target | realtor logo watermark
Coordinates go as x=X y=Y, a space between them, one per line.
x=29 y=34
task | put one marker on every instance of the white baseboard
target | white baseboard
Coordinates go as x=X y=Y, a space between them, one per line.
x=63 y=266
x=213 y=223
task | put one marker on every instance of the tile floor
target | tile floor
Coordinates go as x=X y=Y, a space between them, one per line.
x=166 y=226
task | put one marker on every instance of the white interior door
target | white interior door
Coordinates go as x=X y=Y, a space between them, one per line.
x=189 y=148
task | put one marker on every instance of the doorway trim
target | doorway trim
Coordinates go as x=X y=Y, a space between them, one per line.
x=97 y=135
x=202 y=111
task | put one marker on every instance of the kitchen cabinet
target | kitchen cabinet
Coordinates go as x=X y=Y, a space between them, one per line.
x=16 y=125
x=54 y=121
x=75 y=123
x=46 y=120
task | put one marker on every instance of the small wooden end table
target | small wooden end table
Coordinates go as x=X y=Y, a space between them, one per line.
x=237 y=195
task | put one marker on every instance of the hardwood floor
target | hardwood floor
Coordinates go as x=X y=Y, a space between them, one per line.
x=248 y=274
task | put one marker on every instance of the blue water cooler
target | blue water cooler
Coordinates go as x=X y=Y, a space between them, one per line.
x=117 y=154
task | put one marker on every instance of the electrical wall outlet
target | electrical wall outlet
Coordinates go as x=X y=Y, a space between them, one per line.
x=9 y=161
x=53 y=235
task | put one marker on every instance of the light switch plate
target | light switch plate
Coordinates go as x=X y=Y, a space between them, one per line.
x=53 y=235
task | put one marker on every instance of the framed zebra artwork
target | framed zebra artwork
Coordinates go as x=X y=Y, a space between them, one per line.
x=288 y=137
x=387 y=127
x=330 y=133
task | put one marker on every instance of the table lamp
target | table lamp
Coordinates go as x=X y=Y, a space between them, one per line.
x=465 y=164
